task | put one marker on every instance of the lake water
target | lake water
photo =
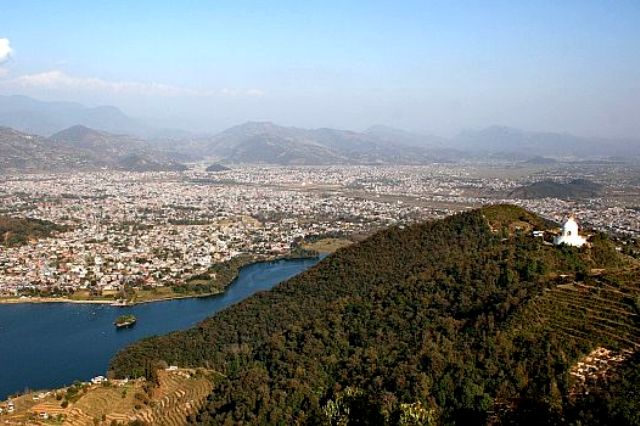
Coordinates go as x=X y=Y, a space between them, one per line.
x=46 y=346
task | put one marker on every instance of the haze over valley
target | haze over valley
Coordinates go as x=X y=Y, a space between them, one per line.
x=119 y=142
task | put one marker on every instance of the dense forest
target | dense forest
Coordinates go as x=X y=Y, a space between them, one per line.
x=18 y=231
x=575 y=189
x=455 y=321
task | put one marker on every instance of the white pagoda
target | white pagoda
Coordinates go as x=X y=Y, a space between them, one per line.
x=570 y=234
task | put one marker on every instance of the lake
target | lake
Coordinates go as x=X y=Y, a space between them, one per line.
x=45 y=346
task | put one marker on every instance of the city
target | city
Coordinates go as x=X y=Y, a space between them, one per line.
x=159 y=229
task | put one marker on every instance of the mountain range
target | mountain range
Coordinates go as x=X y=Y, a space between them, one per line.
x=24 y=152
x=501 y=139
x=65 y=135
x=81 y=148
x=265 y=142
x=45 y=118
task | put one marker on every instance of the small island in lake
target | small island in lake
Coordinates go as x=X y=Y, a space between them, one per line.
x=125 y=321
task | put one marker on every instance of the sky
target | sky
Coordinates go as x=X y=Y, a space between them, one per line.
x=435 y=67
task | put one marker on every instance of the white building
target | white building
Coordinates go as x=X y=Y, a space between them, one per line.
x=570 y=234
x=98 y=379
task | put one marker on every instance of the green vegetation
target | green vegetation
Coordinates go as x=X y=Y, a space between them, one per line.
x=457 y=321
x=74 y=392
x=216 y=279
x=217 y=167
x=513 y=219
x=125 y=320
x=166 y=401
x=220 y=275
x=575 y=189
x=18 y=231
x=327 y=245
x=300 y=252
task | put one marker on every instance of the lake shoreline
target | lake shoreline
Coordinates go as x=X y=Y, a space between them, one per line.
x=113 y=302
x=38 y=300
x=81 y=338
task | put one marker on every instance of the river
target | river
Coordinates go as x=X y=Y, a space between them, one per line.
x=50 y=345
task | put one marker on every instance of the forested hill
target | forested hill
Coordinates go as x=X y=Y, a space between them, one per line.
x=18 y=231
x=451 y=321
x=575 y=189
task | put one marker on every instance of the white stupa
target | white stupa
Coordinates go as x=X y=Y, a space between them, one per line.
x=570 y=235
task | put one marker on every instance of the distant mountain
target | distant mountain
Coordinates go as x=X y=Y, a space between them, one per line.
x=217 y=167
x=22 y=152
x=45 y=118
x=539 y=160
x=147 y=163
x=268 y=143
x=80 y=148
x=500 y=139
x=506 y=139
x=116 y=151
x=97 y=141
x=257 y=142
x=575 y=189
x=264 y=142
x=402 y=137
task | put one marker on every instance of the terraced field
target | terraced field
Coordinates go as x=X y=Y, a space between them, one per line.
x=180 y=393
x=101 y=401
x=602 y=311
x=173 y=401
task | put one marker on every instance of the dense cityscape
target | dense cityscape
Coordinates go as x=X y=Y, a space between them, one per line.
x=159 y=229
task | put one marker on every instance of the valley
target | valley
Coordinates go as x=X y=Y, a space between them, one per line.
x=319 y=213
x=141 y=236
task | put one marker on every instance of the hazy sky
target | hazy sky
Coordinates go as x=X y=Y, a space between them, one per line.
x=430 y=66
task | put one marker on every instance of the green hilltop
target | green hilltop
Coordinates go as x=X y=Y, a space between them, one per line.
x=465 y=320
x=575 y=189
x=18 y=231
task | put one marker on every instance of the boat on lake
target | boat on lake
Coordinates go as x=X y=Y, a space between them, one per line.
x=125 y=321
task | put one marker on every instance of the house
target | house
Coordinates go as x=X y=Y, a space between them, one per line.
x=98 y=379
